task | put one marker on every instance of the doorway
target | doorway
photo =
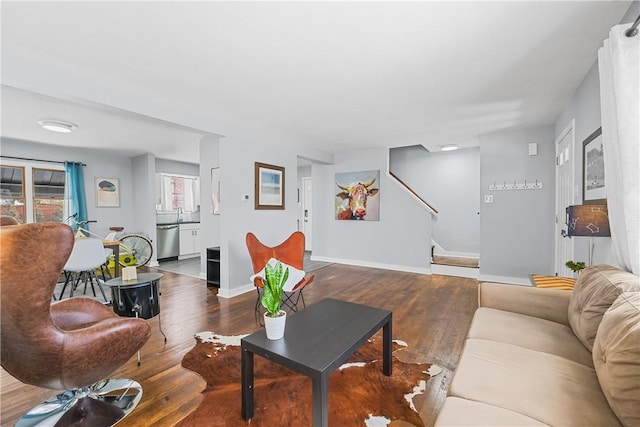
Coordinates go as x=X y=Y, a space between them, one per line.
x=307 y=212
x=565 y=177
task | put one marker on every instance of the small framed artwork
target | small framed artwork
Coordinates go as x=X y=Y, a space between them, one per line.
x=107 y=192
x=269 y=186
x=593 y=179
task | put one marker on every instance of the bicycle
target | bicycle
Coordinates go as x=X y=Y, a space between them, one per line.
x=135 y=249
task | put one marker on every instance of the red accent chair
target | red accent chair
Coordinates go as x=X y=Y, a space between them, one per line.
x=290 y=252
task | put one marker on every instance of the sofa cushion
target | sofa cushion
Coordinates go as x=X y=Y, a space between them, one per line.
x=596 y=289
x=616 y=356
x=458 y=412
x=529 y=332
x=549 y=304
x=542 y=386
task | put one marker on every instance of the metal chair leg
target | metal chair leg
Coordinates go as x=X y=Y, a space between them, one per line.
x=257 y=309
x=292 y=303
x=76 y=281
x=68 y=278
x=104 y=296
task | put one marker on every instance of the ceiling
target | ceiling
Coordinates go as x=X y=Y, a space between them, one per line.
x=334 y=75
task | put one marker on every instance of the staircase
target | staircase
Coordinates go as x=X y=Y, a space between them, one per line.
x=455 y=261
x=449 y=264
x=455 y=265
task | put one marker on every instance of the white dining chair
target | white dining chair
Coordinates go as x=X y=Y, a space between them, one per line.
x=87 y=255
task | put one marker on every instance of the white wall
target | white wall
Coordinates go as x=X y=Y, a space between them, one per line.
x=136 y=212
x=399 y=240
x=585 y=108
x=180 y=168
x=143 y=172
x=243 y=143
x=238 y=153
x=209 y=223
x=516 y=233
x=450 y=182
x=98 y=164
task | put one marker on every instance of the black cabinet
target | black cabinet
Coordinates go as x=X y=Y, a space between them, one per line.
x=213 y=266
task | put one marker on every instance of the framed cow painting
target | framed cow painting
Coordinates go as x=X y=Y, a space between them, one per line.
x=358 y=196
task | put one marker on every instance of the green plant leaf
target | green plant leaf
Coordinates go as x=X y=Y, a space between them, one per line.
x=274 y=280
x=575 y=266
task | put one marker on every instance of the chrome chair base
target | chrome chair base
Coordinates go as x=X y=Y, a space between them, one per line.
x=102 y=404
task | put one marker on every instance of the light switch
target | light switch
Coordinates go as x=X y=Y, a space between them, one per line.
x=488 y=198
x=533 y=148
x=244 y=197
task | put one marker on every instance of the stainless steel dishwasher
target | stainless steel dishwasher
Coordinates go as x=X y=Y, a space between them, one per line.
x=168 y=241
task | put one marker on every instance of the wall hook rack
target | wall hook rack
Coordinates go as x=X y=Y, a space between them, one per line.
x=509 y=185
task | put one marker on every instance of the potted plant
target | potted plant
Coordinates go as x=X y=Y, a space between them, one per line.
x=575 y=266
x=274 y=318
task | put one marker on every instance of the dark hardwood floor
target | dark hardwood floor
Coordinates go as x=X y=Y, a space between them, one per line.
x=431 y=313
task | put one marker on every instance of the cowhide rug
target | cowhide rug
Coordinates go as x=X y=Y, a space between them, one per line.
x=359 y=393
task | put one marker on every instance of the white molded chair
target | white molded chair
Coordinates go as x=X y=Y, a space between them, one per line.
x=87 y=255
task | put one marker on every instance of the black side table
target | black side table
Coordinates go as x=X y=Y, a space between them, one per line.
x=137 y=298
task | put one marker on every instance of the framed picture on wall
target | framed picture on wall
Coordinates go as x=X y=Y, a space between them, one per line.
x=269 y=186
x=358 y=196
x=107 y=192
x=593 y=179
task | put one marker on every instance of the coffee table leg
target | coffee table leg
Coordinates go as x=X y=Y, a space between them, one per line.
x=320 y=402
x=247 y=384
x=387 y=348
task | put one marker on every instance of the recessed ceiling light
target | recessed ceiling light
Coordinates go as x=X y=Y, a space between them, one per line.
x=56 y=125
x=448 y=147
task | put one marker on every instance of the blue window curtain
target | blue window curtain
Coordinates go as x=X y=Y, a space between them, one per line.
x=75 y=199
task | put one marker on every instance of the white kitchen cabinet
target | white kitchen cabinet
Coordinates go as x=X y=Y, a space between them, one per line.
x=189 y=239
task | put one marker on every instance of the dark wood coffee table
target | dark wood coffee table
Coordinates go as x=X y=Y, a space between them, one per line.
x=316 y=341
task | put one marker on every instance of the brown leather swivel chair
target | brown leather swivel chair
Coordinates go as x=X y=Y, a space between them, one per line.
x=8 y=220
x=290 y=252
x=68 y=345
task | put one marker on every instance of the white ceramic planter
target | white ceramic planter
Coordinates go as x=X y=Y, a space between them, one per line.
x=275 y=325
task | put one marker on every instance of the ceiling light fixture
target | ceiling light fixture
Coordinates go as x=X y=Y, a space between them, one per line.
x=56 y=125
x=448 y=147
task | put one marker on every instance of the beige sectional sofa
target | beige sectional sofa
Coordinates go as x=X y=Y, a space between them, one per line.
x=548 y=357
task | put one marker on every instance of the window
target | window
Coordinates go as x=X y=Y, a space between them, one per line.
x=48 y=195
x=31 y=193
x=179 y=193
x=12 y=198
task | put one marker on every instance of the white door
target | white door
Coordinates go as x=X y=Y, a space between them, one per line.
x=565 y=173
x=307 y=222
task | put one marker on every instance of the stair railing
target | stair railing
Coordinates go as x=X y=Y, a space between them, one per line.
x=410 y=190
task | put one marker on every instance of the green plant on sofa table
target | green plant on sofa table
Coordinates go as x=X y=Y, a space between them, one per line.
x=575 y=266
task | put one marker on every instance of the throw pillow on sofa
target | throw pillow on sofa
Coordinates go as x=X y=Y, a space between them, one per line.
x=616 y=353
x=595 y=290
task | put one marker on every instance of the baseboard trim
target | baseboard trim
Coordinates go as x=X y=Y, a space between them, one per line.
x=505 y=279
x=359 y=263
x=230 y=293
x=453 y=270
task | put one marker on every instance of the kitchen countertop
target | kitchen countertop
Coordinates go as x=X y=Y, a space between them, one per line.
x=178 y=222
